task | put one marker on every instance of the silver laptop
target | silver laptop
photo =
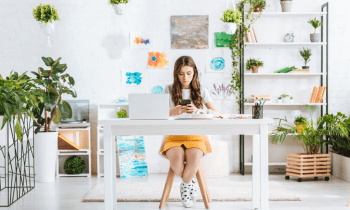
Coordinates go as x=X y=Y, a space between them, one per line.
x=148 y=106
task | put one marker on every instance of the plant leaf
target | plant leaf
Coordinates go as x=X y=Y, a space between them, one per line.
x=71 y=81
x=57 y=116
x=18 y=129
x=46 y=61
x=67 y=105
x=56 y=63
x=4 y=121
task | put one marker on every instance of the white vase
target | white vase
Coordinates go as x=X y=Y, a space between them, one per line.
x=230 y=27
x=285 y=100
x=286 y=6
x=291 y=101
x=48 y=28
x=45 y=151
x=279 y=101
x=119 y=8
x=341 y=166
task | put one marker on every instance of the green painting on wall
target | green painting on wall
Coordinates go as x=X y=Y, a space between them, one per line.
x=222 y=39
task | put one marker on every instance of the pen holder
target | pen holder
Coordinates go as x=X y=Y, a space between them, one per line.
x=257 y=112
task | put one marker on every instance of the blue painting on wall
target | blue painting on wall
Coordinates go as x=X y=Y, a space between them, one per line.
x=157 y=89
x=132 y=78
x=132 y=156
x=216 y=64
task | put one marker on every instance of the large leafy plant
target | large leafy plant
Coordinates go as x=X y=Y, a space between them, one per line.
x=53 y=84
x=232 y=15
x=45 y=13
x=113 y=2
x=17 y=97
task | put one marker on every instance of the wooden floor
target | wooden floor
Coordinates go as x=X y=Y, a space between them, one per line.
x=67 y=193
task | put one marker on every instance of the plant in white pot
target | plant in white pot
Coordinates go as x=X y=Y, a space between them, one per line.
x=231 y=18
x=46 y=14
x=285 y=98
x=315 y=37
x=291 y=100
x=53 y=84
x=306 y=54
x=119 y=5
x=286 y=5
x=279 y=100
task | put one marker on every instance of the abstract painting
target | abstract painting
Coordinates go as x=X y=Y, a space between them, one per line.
x=159 y=60
x=189 y=32
x=216 y=62
x=132 y=156
x=222 y=39
x=132 y=78
x=157 y=89
x=141 y=41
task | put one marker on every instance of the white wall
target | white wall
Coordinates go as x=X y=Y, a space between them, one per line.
x=94 y=42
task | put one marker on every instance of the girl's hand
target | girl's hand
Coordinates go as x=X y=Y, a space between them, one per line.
x=177 y=110
x=191 y=108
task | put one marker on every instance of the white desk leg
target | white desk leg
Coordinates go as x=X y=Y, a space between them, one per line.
x=256 y=172
x=109 y=176
x=264 y=167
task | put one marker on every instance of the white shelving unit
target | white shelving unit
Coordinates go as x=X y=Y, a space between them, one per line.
x=284 y=44
x=84 y=152
x=284 y=74
x=287 y=104
x=289 y=14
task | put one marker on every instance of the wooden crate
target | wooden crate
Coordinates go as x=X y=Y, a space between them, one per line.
x=303 y=165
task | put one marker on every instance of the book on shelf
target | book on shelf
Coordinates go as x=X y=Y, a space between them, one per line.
x=261 y=96
x=317 y=94
x=256 y=38
x=301 y=70
x=249 y=38
x=314 y=92
x=252 y=35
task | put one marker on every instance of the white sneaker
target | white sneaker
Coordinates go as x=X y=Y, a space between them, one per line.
x=193 y=191
x=185 y=195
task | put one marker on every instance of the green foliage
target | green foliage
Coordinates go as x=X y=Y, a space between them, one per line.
x=232 y=15
x=45 y=13
x=113 y=2
x=300 y=120
x=286 y=0
x=291 y=97
x=258 y=3
x=122 y=114
x=284 y=96
x=17 y=97
x=252 y=63
x=306 y=54
x=315 y=23
x=52 y=85
x=74 y=165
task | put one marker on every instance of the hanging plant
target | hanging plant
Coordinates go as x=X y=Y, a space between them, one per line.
x=119 y=5
x=231 y=17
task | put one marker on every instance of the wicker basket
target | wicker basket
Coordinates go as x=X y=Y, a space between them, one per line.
x=302 y=165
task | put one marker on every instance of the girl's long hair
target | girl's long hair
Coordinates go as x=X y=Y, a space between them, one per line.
x=195 y=86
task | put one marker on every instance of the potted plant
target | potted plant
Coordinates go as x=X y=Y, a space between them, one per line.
x=300 y=122
x=259 y=5
x=231 y=18
x=53 y=84
x=279 y=100
x=47 y=15
x=291 y=100
x=121 y=113
x=286 y=5
x=285 y=98
x=315 y=23
x=119 y=5
x=306 y=54
x=253 y=64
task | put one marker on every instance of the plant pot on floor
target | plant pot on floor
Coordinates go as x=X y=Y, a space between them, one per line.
x=305 y=67
x=255 y=69
x=257 y=9
x=230 y=27
x=315 y=37
x=285 y=100
x=286 y=6
x=45 y=148
x=341 y=166
x=119 y=8
x=48 y=28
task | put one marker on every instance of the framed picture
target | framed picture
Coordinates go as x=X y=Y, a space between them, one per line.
x=216 y=62
x=141 y=40
x=133 y=78
x=159 y=60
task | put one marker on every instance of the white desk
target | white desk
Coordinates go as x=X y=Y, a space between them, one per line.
x=256 y=127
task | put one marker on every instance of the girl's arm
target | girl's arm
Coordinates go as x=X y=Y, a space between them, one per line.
x=211 y=105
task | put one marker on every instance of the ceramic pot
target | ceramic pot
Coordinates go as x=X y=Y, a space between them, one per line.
x=45 y=156
x=48 y=28
x=291 y=100
x=285 y=100
x=315 y=37
x=255 y=69
x=305 y=67
x=286 y=6
x=279 y=101
x=230 y=27
x=119 y=8
x=257 y=9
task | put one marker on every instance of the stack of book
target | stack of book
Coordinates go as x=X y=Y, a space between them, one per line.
x=262 y=98
x=301 y=70
x=317 y=94
x=250 y=36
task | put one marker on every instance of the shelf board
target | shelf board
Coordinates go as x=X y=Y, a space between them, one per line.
x=83 y=174
x=114 y=104
x=287 y=104
x=261 y=44
x=270 y=164
x=284 y=74
x=289 y=14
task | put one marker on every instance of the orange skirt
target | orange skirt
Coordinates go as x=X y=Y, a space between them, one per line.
x=189 y=141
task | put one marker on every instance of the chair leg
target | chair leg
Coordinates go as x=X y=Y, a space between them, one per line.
x=201 y=182
x=171 y=185
x=205 y=183
x=167 y=187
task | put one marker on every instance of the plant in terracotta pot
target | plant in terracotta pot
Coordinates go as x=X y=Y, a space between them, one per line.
x=300 y=122
x=315 y=37
x=285 y=98
x=259 y=5
x=231 y=17
x=306 y=54
x=254 y=64
x=119 y=5
x=53 y=83
x=46 y=14
x=286 y=5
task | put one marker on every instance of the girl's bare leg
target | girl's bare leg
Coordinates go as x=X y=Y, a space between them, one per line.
x=193 y=157
x=176 y=156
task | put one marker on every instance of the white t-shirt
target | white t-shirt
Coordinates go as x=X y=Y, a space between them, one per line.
x=186 y=95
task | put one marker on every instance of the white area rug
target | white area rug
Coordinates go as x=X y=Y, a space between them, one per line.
x=219 y=191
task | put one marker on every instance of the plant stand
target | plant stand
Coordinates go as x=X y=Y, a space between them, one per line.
x=302 y=165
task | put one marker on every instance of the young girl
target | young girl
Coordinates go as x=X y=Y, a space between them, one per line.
x=186 y=147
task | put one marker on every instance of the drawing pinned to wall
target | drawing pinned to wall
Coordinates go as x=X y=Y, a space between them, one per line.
x=222 y=39
x=189 y=32
x=157 y=89
x=132 y=156
x=159 y=60
x=216 y=62
x=141 y=41
x=133 y=78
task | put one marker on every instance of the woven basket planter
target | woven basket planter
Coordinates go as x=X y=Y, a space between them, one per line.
x=302 y=165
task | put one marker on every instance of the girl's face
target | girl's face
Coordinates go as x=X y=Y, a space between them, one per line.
x=185 y=76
